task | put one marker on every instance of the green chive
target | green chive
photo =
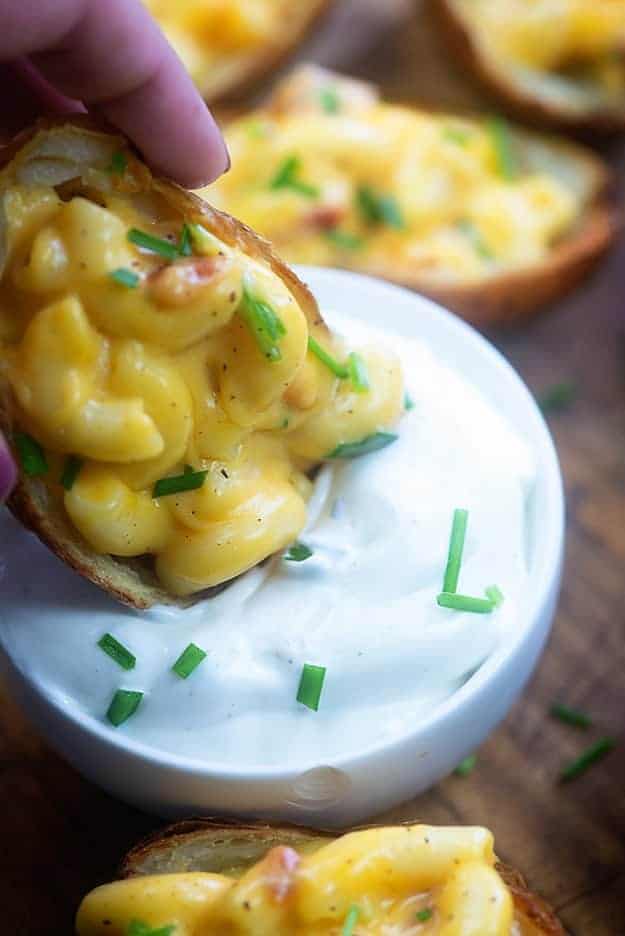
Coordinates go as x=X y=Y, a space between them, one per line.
x=119 y=164
x=339 y=370
x=593 y=754
x=185 y=244
x=136 y=928
x=465 y=603
x=188 y=661
x=71 y=470
x=155 y=245
x=457 y=135
x=372 y=443
x=344 y=239
x=311 y=685
x=466 y=766
x=125 y=278
x=330 y=100
x=298 y=552
x=558 y=397
x=479 y=245
x=350 y=920
x=189 y=481
x=265 y=325
x=123 y=706
x=495 y=594
x=32 y=457
x=113 y=648
x=286 y=177
x=422 y=916
x=379 y=209
x=256 y=128
x=358 y=373
x=456 y=548
x=503 y=145
x=409 y=403
x=570 y=716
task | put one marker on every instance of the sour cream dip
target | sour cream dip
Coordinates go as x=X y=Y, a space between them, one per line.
x=363 y=606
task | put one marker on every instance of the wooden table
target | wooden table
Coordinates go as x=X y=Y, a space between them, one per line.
x=61 y=835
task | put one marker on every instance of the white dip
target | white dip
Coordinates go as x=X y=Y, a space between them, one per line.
x=364 y=606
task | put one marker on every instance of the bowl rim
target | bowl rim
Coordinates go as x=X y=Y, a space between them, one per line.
x=547 y=565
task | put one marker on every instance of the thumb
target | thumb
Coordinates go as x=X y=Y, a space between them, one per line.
x=8 y=473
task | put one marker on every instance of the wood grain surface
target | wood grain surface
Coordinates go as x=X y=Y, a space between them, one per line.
x=61 y=836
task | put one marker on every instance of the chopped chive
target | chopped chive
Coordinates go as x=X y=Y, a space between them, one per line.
x=344 y=239
x=456 y=135
x=204 y=242
x=125 y=278
x=311 y=685
x=330 y=100
x=123 y=706
x=298 y=552
x=119 y=164
x=465 y=603
x=188 y=661
x=495 y=594
x=350 y=920
x=379 y=209
x=479 y=245
x=286 y=177
x=178 y=484
x=503 y=145
x=255 y=128
x=265 y=325
x=558 y=397
x=71 y=470
x=372 y=443
x=31 y=456
x=113 y=648
x=339 y=370
x=358 y=373
x=422 y=916
x=185 y=244
x=137 y=928
x=409 y=403
x=593 y=754
x=570 y=716
x=456 y=548
x=155 y=245
x=466 y=766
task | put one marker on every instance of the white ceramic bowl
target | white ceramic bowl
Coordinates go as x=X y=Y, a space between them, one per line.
x=356 y=787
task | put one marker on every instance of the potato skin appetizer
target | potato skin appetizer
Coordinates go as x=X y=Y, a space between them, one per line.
x=157 y=376
x=575 y=81
x=200 y=868
x=486 y=218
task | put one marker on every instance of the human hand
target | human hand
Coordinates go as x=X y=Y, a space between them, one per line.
x=111 y=60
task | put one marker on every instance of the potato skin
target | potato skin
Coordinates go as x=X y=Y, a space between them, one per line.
x=205 y=844
x=130 y=581
x=527 y=106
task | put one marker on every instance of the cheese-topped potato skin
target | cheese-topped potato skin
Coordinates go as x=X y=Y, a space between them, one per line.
x=554 y=62
x=146 y=337
x=403 y=879
x=488 y=219
x=229 y=45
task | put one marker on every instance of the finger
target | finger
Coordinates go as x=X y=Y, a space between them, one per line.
x=31 y=96
x=8 y=474
x=113 y=56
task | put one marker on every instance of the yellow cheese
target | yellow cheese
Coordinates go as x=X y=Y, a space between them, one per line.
x=411 y=880
x=145 y=379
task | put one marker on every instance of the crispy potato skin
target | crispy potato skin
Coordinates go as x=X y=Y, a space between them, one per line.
x=525 y=105
x=176 y=847
x=131 y=582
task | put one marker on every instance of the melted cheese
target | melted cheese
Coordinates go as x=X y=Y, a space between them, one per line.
x=583 y=37
x=409 y=880
x=335 y=177
x=207 y=33
x=141 y=382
